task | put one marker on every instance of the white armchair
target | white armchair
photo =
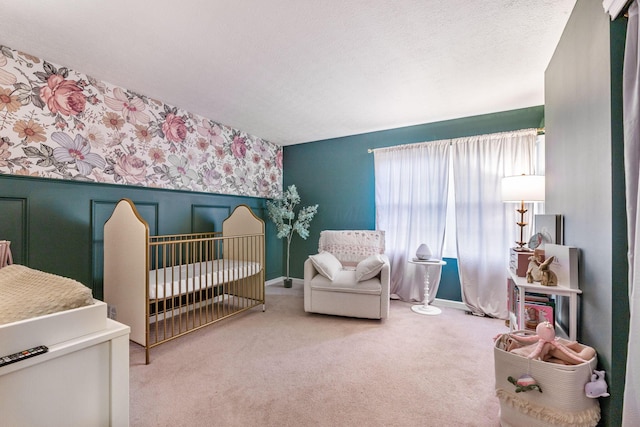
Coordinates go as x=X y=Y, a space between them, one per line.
x=350 y=275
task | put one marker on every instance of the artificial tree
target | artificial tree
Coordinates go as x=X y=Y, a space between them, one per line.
x=282 y=213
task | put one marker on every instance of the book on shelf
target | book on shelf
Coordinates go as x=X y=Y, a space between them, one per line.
x=538 y=307
x=536 y=297
x=538 y=312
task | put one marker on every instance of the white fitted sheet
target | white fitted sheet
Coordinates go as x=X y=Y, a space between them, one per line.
x=182 y=279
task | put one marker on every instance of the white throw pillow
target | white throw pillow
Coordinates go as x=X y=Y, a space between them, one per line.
x=369 y=267
x=326 y=264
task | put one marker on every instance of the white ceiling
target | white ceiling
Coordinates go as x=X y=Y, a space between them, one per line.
x=293 y=71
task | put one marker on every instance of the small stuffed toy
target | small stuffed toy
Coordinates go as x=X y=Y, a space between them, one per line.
x=597 y=387
x=548 y=278
x=533 y=270
x=544 y=342
x=540 y=272
x=524 y=383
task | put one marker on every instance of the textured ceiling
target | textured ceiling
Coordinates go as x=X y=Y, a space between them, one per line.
x=293 y=71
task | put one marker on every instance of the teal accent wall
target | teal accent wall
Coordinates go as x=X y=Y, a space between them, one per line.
x=338 y=175
x=619 y=246
x=56 y=225
x=450 y=288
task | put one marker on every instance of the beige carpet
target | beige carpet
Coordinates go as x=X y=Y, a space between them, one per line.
x=285 y=367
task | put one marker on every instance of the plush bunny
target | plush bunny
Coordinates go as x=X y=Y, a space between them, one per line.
x=540 y=272
x=548 y=278
x=533 y=268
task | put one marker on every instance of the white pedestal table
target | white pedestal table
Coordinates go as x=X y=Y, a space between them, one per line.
x=425 y=307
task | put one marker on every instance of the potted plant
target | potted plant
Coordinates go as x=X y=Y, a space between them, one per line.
x=282 y=213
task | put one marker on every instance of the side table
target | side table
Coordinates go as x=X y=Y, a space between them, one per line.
x=425 y=307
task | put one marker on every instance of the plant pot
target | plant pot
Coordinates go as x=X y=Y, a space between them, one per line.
x=288 y=283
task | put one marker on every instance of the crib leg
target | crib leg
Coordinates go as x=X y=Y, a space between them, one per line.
x=264 y=308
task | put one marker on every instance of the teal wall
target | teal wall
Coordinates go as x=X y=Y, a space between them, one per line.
x=56 y=225
x=619 y=246
x=585 y=181
x=338 y=175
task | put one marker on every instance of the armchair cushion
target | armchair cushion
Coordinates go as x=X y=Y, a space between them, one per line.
x=369 y=267
x=326 y=264
x=345 y=282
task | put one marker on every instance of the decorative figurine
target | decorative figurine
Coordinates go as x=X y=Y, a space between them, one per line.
x=597 y=387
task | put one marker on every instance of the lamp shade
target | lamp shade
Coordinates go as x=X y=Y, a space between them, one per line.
x=523 y=188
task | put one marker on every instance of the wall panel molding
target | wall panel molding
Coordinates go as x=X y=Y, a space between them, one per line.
x=206 y=218
x=14 y=226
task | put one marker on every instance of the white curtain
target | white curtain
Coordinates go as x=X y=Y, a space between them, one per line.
x=411 y=184
x=631 y=117
x=485 y=226
x=410 y=195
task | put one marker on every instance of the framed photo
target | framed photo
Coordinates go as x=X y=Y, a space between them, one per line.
x=548 y=228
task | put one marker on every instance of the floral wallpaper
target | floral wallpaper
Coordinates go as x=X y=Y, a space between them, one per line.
x=58 y=123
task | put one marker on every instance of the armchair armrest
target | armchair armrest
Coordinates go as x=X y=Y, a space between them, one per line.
x=309 y=273
x=385 y=283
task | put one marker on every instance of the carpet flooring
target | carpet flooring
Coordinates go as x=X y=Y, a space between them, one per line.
x=285 y=367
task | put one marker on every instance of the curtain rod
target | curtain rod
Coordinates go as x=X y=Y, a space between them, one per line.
x=540 y=131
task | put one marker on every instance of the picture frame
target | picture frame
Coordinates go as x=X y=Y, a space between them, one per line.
x=549 y=227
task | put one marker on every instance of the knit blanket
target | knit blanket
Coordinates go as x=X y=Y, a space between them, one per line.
x=27 y=293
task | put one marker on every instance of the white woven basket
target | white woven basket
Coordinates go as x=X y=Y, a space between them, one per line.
x=563 y=400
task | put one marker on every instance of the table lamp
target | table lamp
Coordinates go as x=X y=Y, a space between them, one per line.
x=522 y=189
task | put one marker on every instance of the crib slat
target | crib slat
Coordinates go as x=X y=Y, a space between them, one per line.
x=200 y=279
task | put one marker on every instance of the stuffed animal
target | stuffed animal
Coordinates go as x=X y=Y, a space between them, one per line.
x=525 y=383
x=545 y=343
x=533 y=268
x=597 y=387
x=548 y=278
x=540 y=272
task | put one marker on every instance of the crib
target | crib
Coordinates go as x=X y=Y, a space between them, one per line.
x=166 y=286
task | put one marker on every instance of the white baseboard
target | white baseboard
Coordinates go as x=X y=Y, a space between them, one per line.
x=437 y=302
x=280 y=281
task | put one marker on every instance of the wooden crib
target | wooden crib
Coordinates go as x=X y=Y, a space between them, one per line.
x=166 y=286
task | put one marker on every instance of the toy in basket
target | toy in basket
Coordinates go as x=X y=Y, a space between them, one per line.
x=546 y=345
x=552 y=374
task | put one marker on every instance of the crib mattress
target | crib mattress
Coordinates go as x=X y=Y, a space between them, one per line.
x=27 y=293
x=182 y=279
